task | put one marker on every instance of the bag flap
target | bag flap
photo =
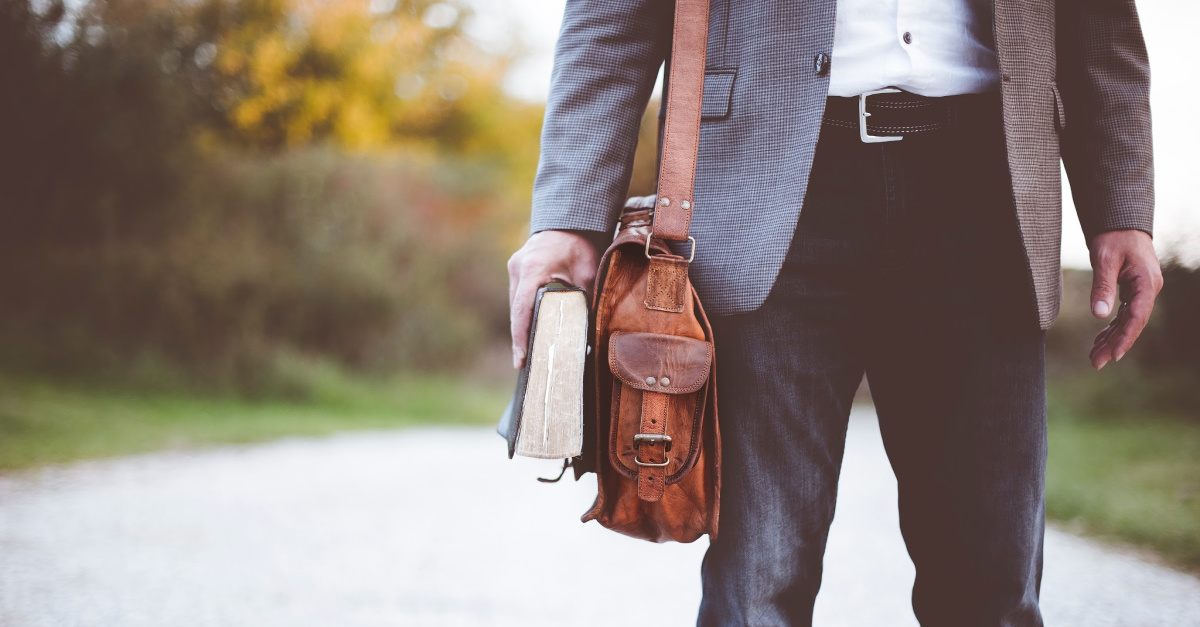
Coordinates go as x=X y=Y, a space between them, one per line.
x=654 y=362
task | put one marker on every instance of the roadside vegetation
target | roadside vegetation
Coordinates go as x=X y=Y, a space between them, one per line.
x=1134 y=479
x=1125 y=441
x=48 y=421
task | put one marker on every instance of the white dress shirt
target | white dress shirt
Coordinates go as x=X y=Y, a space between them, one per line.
x=927 y=47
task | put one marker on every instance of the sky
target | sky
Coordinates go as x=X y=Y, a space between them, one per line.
x=1168 y=25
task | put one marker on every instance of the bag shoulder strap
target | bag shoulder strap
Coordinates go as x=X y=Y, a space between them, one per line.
x=681 y=130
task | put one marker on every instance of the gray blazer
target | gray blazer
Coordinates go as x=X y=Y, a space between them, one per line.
x=764 y=96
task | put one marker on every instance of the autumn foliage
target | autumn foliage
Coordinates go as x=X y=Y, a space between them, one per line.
x=207 y=185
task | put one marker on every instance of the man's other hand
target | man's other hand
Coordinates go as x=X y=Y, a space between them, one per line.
x=1122 y=260
x=546 y=256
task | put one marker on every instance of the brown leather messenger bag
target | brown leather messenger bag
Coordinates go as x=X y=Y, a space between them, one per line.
x=652 y=437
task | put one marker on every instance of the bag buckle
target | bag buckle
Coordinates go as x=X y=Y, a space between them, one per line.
x=866 y=137
x=691 y=239
x=652 y=438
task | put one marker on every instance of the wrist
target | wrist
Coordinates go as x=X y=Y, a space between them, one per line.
x=1119 y=236
x=1120 y=232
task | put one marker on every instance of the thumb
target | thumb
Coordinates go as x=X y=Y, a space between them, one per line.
x=1104 y=285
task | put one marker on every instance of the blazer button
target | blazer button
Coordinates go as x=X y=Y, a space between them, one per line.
x=821 y=64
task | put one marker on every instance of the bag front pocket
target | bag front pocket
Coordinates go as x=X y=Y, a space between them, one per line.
x=658 y=396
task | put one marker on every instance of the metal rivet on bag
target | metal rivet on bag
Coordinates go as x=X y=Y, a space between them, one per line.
x=685 y=204
x=651 y=380
x=664 y=382
x=664 y=201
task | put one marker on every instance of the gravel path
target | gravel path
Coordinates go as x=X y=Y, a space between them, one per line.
x=435 y=527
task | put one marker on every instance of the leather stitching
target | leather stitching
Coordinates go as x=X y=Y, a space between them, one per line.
x=678 y=389
x=889 y=128
x=666 y=283
x=680 y=160
x=686 y=463
x=655 y=410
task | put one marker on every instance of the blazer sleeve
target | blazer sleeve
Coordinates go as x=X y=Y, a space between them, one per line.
x=605 y=64
x=1104 y=82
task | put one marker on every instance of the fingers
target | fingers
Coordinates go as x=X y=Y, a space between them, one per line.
x=527 y=272
x=547 y=256
x=520 y=306
x=1123 y=258
x=514 y=275
x=520 y=314
x=583 y=273
x=1102 y=352
x=1140 y=307
x=1119 y=336
x=1106 y=333
x=1104 y=283
x=524 y=287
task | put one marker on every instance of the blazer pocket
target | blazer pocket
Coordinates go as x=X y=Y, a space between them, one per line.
x=1060 y=112
x=718 y=94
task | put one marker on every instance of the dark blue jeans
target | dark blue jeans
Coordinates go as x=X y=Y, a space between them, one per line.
x=906 y=265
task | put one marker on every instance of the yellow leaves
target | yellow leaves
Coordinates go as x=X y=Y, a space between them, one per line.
x=325 y=70
x=359 y=76
x=339 y=25
x=412 y=37
x=270 y=60
x=358 y=125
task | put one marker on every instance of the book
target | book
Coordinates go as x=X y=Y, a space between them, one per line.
x=544 y=419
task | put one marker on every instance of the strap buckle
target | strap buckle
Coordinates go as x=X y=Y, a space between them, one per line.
x=650 y=236
x=652 y=438
x=638 y=438
x=866 y=137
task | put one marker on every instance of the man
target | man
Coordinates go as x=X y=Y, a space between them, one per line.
x=919 y=244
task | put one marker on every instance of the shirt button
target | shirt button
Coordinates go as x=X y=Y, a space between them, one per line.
x=821 y=64
x=907 y=37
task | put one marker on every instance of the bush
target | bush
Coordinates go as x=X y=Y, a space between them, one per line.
x=379 y=262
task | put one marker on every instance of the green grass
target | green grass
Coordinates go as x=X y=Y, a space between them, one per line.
x=44 y=421
x=1132 y=480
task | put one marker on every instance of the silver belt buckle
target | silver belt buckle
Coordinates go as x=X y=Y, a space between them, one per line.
x=866 y=137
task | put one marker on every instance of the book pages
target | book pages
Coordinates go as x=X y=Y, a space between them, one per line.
x=552 y=416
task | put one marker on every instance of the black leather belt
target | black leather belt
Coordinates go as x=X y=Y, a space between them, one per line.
x=890 y=115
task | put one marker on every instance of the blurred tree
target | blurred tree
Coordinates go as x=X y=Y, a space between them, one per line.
x=214 y=180
x=287 y=73
x=94 y=129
